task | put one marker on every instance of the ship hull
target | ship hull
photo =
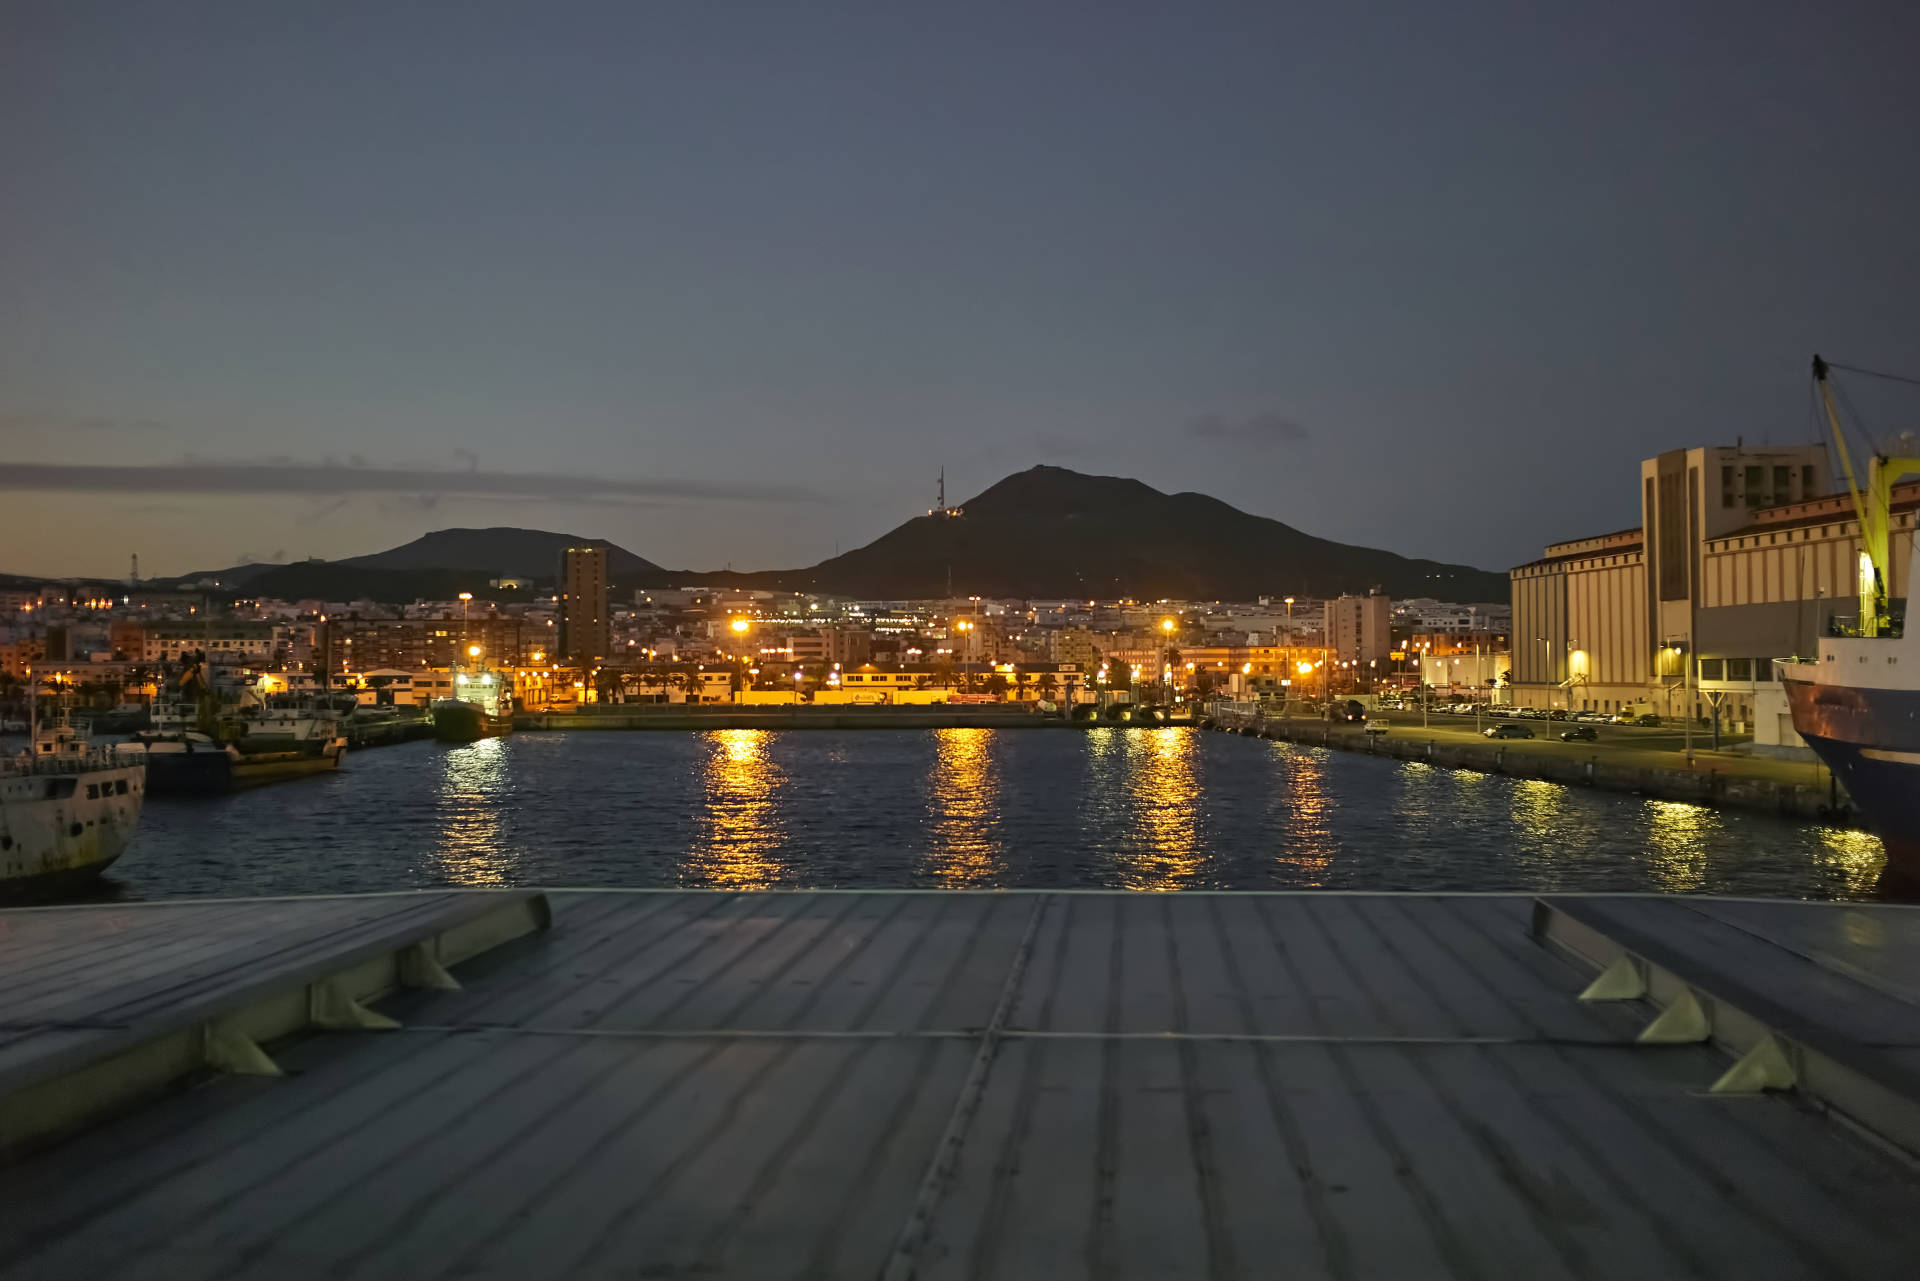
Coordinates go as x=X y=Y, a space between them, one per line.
x=456 y=721
x=208 y=773
x=1870 y=739
x=59 y=831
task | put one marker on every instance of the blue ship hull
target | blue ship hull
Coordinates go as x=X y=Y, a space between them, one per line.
x=1870 y=739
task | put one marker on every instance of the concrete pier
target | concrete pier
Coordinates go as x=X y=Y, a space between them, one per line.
x=1744 y=783
x=945 y=1084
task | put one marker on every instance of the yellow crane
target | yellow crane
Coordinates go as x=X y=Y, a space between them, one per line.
x=1874 y=507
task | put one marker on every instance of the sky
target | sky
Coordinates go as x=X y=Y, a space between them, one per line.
x=730 y=283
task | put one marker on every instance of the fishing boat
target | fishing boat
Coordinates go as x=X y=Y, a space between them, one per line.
x=67 y=808
x=184 y=760
x=1857 y=703
x=481 y=706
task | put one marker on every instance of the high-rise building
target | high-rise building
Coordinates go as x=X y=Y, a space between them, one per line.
x=586 y=622
x=1360 y=628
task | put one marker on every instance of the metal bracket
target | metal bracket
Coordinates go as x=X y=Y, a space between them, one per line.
x=1621 y=981
x=331 y=1006
x=1684 y=1022
x=230 y=1050
x=1767 y=1066
x=419 y=967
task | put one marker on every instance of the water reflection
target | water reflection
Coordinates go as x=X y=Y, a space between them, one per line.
x=1856 y=857
x=1677 y=836
x=1541 y=812
x=740 y=820
x=1307 y=841
x=963 y=799
x=1163 y=815
x=470 y=846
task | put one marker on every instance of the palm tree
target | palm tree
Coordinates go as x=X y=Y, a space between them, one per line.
x=1048 y=684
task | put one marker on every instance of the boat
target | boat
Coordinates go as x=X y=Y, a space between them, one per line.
x=1857 y=703
x=283 y=743
x=481 y=707
x=67 y=808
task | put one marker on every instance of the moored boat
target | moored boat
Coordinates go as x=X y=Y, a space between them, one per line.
x=481 y=707
x=67 y=809
x=1857 y=704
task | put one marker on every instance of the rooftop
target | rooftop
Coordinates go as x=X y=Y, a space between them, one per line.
x=946 y=1084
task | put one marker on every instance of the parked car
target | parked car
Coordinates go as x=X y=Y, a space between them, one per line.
x=1378 y=725
x=1559 y=714
x=1507 y=731
x=1592 y=718
x=1647 y=719
x=1579 y=734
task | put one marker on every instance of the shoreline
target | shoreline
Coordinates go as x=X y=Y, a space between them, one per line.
x=1711 y=784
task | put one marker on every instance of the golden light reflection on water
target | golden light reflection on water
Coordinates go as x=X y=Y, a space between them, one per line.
x=1857 y=857
x=964 y=800
x=740 y=829
x=1540 y=811
x=1309 y=845
x=1678 y=836
x=1163 y=810
x=473 y=786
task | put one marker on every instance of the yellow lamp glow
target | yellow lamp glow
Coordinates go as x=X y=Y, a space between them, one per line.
x=473 y=651
x=738 y=624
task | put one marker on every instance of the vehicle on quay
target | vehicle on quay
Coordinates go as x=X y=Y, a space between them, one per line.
x=481 y=706
x=1378 y=725
x=1507 y=731
x=1580 y=734
x=1857 y=702
x=1647 y=719
x=67 y=808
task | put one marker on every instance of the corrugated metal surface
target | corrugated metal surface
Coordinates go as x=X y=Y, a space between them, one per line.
x=759 y=1085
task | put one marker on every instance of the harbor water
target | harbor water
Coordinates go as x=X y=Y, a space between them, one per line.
x=1152 y=809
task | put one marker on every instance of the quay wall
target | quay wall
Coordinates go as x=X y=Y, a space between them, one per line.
x=1706 y=785
x=730 y=716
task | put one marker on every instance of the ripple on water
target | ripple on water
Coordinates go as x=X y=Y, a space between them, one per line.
x=1150 y=809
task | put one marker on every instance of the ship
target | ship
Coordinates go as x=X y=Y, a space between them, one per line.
x=1857 y=702
x=274 y=743
x=481 y=707
x=67 y=809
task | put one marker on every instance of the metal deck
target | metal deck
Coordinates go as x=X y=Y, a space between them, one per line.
x=952 y=1084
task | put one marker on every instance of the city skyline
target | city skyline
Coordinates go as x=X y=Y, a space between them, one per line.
x=1404 y=280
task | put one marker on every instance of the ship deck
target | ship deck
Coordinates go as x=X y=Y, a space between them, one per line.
x=951 y=1084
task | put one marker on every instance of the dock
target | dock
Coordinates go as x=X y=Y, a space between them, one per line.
x=948 y=1084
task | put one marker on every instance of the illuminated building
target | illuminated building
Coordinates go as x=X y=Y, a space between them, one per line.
x=586 y=628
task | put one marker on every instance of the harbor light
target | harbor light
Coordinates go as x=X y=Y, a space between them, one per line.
x=473 y=651
x=738 y=625
x=1166 y=624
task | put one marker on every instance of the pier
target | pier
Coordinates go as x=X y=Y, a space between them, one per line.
x=1736 y=782
x=946 y=1084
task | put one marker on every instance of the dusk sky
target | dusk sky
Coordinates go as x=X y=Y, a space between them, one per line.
x=728 y=283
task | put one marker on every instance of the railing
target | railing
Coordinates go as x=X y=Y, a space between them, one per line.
x=25 y=763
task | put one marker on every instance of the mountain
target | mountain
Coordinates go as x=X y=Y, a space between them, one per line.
x=502 y=551
x=1051 y=532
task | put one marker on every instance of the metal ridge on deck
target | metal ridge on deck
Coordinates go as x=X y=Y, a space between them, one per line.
x=902 y=1084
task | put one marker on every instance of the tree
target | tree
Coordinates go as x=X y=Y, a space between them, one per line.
x=1048 y=683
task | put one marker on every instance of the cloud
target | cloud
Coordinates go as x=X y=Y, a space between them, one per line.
x=1264 y=428
x=330 y=479
x=62 y=424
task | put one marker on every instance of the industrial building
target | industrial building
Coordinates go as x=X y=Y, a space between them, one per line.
x=1744 y=554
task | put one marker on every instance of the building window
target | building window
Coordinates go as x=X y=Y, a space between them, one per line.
x=1756 y=477
x=1806 y=480
x=1726 y=486
x=1781 y=483
x=1739 y=669
x=1713 y=669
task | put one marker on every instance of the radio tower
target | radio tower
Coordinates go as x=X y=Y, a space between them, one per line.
x=940 y=508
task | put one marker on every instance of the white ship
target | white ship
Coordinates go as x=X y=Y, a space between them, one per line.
x=67 y=808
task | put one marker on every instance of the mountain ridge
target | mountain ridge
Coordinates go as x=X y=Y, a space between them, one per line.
x=1045 y=532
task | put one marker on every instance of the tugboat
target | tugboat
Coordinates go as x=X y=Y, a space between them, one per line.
x=481 y=706
x=1858 y=704
x=67 y=809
